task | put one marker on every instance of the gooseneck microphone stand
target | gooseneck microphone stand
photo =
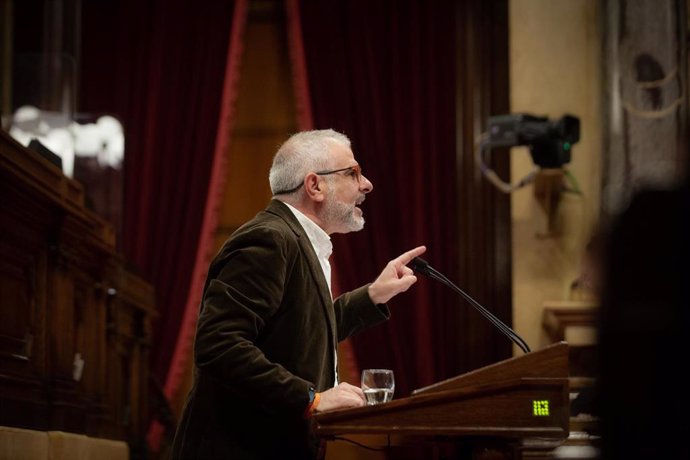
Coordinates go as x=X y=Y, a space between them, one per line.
x=420 y=265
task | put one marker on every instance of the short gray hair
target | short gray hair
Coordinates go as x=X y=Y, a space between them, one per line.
x=303 y=152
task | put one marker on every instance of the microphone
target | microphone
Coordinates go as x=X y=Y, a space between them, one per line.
x=421 y=266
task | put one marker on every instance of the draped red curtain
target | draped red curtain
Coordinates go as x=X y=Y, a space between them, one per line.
x=384 y=73
x=164 y=68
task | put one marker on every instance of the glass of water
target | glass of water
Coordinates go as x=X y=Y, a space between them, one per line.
x=378 y=385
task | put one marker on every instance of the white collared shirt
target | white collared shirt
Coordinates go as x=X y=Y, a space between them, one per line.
x=320 y=241
x=323 y=247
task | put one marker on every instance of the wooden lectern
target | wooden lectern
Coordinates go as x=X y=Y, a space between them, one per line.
x=514 y=409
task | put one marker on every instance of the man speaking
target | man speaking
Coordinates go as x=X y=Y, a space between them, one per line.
x=268 y=328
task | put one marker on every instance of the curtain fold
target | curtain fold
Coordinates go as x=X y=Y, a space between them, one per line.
x=185 y=337
x=384 y=74
x=168 y=70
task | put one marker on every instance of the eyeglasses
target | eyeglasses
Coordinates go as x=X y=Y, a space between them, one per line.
x=354 y=171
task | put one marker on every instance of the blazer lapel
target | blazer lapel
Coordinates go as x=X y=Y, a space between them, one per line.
x=281 y=210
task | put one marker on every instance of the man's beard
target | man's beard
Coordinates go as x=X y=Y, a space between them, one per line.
x=343 y=216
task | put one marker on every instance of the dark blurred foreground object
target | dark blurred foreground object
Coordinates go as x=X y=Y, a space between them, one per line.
x=644 y=396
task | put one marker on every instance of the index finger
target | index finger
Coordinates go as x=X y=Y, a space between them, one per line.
x=407 y=257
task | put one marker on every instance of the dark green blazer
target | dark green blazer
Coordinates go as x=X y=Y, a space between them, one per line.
x=267 y=331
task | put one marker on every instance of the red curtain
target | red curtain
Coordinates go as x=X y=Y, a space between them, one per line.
x=384 y=73
x=161 y=67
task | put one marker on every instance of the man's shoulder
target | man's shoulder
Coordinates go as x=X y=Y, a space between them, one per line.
x=265 y=234
x=266 y=228
x=266 y=222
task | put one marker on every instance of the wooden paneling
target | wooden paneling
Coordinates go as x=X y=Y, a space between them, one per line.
x=74 y=324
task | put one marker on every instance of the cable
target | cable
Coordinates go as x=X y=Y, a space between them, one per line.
x=358 y=444
x=491 y=175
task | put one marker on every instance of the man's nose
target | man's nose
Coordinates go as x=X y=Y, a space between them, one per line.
x=365 y=185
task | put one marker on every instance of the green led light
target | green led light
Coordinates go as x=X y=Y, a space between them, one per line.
x=540 y=408
x=566 y=146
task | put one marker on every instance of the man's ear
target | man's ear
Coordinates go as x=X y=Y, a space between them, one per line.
x=313 y=187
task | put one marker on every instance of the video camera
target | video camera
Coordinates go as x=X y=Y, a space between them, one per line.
x=550 y=142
